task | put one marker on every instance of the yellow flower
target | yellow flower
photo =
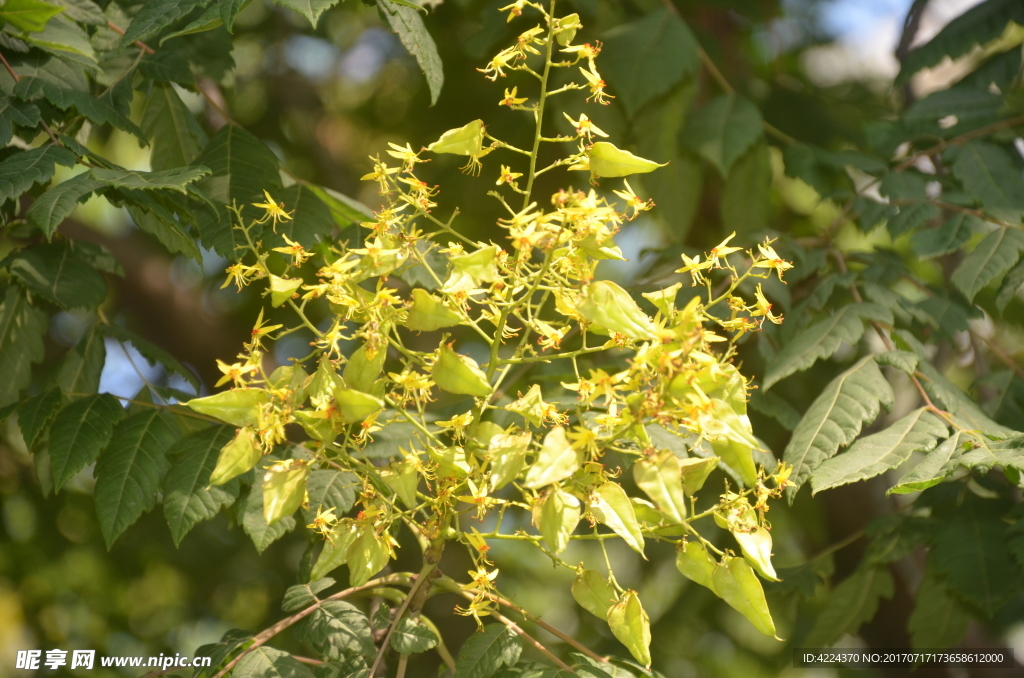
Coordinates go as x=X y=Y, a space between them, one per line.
x=274 y=211
x=764 y=308
x=240 y=274
x=514 y=10
x=234 y=373
x=695 y=268
x=405 y=153
x=596 y=85
x=585 y=126
x=772 y=261
x=633 y=201
x=511 y=99
x=507 y=176
x=296 y=251
x=722 y=249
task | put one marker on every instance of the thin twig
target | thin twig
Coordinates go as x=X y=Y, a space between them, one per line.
x=423 y=577
x=272 y=631
x=42 y=123
x=138 y=43
x=1003 y=356
x=531 y=640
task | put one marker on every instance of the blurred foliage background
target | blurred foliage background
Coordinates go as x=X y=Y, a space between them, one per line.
x=328 y=99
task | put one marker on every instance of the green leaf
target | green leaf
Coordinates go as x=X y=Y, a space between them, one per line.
x=648 y=57
x=79 y=371
x=984 y=22
x=410 y=637
x=872 y=455
x=835 y=418
x=989 y=174
x=188 y=496
x=176 y=134
x=904 y=361
x=660 y=477
x=1011 y=284
x=166 y=230
x=24 y=168
x=949 y=237
x=311 y=218
x=175 y=179
x=301 y=596
x=346 y=211
x=823 y=339
x=723 y=130
x=156 y=15
x=745 y=197
x=22 y=327
x=151 y=352
x=327 y=489
x=243 y=167
x=79 y=432
x=339 y=626
x=948 y=395
x=311 y=9
x=64 y=38
x=971 y=547
x=83 y=11
x=250 y=509
x=1008 y=453
x=266 y=662
x=166 y=66
x=57 y=273
x=99 y=110
x=989 y=261
x=935 y=467
x=207 y=21
x=775 y=406
x=14 y=113
x=911 y=217
x=361 y=372
x=851 y=604
x=939 y=620
x=57 y=204
x=28 y=15
x=335 y=554
x=408 y=24
x=486 y=651
x=35 y=413
x=609 y=308
x=129 y=470
x=368 y=555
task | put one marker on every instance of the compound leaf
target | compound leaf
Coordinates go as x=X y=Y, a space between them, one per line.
x=188 y=496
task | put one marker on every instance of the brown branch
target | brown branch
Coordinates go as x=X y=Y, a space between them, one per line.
x=262 y=637
x=42 y=123
x=1003 y=356
x=138 y=43
x=422 y=578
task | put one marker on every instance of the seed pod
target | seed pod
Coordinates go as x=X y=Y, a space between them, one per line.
x=610 y=308
x=695 y=471
x=696 y=564
x=661 y=479
x=594 y=593
x=608 y=161
x=361 y=371
x=664 y=299
x=284 y=489
x=610 y=505
x=465 y=140
x=481 y=265
x=237 y=406
x=631 y=626
x=282 y=289
x=757 y=549
x=459 y=374
x=428 y=314
x=402 y=478
x=355 y=406
x=367 y=555
x=737 y=585
x=237 y=457
x=317 y=424
x=557 y=461
x=507 y=453
x=566 y=27
x=335 y=552
x=556 y=515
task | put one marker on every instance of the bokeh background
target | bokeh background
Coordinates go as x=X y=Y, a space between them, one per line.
x=325 y=101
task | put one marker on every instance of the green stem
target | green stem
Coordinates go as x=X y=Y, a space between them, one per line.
x=539 y=115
